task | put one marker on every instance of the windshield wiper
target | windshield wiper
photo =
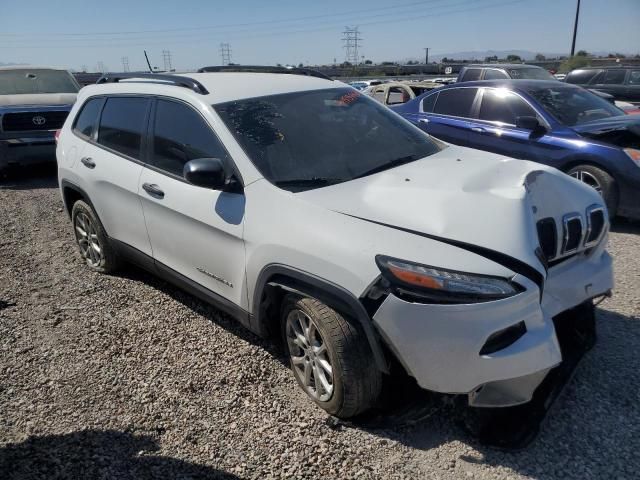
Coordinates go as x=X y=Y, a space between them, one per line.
x=386 y=166
x=308 y=182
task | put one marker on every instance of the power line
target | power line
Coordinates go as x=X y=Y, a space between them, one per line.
x=234 y=25
x=351 y=39
x=280 y=32
x=225 y=53
x=166 y=58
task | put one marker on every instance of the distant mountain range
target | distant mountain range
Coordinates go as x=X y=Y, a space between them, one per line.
x=524 y=54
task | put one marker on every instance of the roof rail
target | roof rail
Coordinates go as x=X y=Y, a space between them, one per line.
x=265 y=69
x=176 y=80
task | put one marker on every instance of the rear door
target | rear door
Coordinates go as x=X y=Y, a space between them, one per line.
x=111 y=166
x=449 y=117
x=194 y=231
x=633 y=86
x=612 y=81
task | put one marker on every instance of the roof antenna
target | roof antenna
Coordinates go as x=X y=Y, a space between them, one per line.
x=147 y=57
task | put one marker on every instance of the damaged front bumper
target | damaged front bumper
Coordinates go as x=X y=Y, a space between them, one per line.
x=440 y=345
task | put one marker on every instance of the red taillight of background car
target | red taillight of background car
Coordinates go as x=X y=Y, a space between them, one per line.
x=57 y=135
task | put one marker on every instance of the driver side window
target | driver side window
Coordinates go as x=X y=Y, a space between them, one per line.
x=181 y=134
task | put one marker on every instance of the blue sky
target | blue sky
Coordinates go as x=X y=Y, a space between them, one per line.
x=73 y=33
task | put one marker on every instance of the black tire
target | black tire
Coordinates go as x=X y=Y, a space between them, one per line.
x=608 y=187
x=356 y=379
x=107 y=260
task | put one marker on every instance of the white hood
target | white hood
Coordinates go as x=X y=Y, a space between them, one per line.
x=38 y=99
x=464 y=195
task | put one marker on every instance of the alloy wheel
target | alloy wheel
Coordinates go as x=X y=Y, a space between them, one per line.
x=309 y=355
x=87 y=238
x=588 y=178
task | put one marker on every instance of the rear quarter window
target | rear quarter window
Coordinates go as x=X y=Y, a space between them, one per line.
x=429 y=102
x=87 y=120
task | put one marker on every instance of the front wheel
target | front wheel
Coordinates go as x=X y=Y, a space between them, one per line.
x=601 y=182
x=330 y=357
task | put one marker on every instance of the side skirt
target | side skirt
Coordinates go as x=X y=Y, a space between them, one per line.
x=146 y=262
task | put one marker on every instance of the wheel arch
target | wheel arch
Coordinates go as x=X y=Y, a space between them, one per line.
x=275 y=280
x=71 y=193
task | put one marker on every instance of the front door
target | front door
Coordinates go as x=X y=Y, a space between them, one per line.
x=195 y=231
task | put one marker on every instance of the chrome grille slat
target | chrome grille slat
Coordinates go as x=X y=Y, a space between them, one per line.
x=572 y=233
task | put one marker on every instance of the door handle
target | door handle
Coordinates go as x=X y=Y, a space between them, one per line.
x=478 y=129
x=423 y=120
x=153 y=190
x=88 y=162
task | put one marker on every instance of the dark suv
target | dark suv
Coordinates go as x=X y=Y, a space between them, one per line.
x=34 y=103
x=621 y=82
x=503 y=71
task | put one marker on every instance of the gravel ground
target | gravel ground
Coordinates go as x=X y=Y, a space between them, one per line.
x=127 y=377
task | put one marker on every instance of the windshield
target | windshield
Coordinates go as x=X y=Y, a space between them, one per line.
x=23 y=81
x=316 y=138
x=530 y=74
x=574 y=106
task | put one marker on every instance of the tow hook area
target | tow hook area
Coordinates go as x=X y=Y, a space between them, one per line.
x=515 y=427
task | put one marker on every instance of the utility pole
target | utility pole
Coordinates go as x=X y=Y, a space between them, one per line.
x=351 y=38
x=125 y=64
x=166 y=57
x=426 y=55
x=575 y=29
x=225 y=53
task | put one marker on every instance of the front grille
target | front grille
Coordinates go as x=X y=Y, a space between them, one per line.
x=548 y=237
x=595 y=225
x=25 y=121
x=572 y=231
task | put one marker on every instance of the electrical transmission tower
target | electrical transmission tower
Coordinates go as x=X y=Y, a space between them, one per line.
x=352 y=42
x=100 y=67
x=166 y=57
x=125 y=64
x=225 y=53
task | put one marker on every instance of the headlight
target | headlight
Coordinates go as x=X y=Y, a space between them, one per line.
x=440 y=285
x=633 y=154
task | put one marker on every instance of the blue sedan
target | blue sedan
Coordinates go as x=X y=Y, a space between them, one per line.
x=549 y=122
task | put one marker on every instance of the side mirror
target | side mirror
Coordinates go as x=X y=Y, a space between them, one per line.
x=205 y=172
x=530 y=123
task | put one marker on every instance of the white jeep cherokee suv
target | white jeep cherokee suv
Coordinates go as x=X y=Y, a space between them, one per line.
x=300 y=206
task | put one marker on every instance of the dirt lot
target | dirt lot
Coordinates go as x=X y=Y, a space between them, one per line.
x=127 y=377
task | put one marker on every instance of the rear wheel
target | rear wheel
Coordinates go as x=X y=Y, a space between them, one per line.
x=92 y=240
x=601 y=182
x=330 y=357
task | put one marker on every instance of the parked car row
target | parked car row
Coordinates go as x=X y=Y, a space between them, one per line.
x=34 y=103
x=546 y=121
x=313 y=214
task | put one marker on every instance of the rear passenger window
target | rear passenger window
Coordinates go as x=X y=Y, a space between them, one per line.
x=180 y=135
x=614 y=77
x=471 y=74
x=455 y=102
x=122 y=123
x=634 y=77
x=429 y=102
x=500 y=105
x=581 y=77
x=88 y=117
x=493 y=74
